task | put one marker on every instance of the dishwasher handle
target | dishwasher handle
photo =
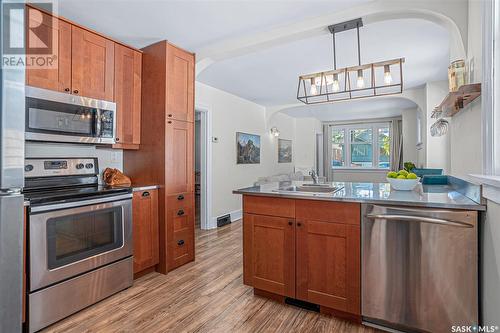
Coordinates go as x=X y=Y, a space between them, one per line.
x=412 y=218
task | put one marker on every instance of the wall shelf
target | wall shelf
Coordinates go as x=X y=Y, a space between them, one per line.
x=457 y=100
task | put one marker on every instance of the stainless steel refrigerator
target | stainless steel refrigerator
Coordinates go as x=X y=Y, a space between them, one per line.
x=12 y=99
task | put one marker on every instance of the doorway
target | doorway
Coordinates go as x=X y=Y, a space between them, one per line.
x=202 y=168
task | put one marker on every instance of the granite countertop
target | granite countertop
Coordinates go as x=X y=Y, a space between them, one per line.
x=440 y=196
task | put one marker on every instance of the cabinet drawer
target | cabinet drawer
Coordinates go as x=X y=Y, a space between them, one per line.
x=180 y=201
x=328 y=211
x=269 y=206
x=181 y=248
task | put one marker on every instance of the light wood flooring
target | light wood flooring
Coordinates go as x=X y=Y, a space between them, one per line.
x=205 y=296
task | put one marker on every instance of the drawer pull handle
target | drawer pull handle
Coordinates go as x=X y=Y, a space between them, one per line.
x=180 y=242
x=180 y=197
x=180 y=212
x=145 y=194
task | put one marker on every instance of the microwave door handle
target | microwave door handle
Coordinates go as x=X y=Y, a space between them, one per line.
x=410 y=218
x=98 y=124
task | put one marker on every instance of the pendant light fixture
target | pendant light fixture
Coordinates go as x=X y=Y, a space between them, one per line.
x=368 y=80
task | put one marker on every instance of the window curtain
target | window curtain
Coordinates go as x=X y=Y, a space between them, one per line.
x=396 y=145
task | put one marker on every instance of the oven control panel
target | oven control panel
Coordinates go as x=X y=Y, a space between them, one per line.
x=41 y=167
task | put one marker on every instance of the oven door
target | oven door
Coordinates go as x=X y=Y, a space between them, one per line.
x=68 y=242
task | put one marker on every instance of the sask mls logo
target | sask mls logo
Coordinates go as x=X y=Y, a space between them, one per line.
x=29 y=36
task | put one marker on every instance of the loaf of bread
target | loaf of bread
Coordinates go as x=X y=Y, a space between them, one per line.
x=115 y=177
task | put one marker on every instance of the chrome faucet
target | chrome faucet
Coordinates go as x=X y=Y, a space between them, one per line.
x=314 y=176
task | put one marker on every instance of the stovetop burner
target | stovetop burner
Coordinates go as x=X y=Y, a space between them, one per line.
x=64 y=180
x=40 y=197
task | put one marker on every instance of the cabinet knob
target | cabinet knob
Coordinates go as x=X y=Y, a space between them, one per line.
x=75 y=91
x=299 y=224
x=145 y=194
x=66 y=89
x=117 y=139
x=290 y=222
x=180 y=242
x=180 y=212
x=170 y=121
x=170 y=115
x=180 y=197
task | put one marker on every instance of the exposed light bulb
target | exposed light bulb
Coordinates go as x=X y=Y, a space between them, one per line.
x=335 y=83
x=329 y=79
x=360 y=82
x=318 y=81
x=314 y=90
x=387 y=75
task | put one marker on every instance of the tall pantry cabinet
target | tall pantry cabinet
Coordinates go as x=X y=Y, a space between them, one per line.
x=166 y=152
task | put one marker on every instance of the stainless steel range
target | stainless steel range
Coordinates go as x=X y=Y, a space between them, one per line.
x=80 y=238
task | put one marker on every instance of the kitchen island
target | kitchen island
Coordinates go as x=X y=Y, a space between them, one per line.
x=302 y=244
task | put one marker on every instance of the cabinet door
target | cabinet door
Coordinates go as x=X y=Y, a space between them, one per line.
x=145 y=220
x=328 y=265
x=180 y=85
x=92 y=68
x=269 y=252
x=128 y=96
x=58 y=76
x=179 y=172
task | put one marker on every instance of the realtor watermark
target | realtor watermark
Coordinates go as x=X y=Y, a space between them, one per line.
x=475 y=329
x=30 y=35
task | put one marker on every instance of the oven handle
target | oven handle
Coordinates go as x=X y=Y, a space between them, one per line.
x=38 y=209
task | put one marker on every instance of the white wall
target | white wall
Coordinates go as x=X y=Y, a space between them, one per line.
x=107 y=157
x=305 y=142
x=438 y=148
x=231 y=114
x=409 y=128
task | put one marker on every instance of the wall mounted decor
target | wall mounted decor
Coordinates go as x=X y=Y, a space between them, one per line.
x=284 y=151
x=247 y=148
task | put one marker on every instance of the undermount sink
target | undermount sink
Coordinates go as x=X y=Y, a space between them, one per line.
x=312 y=188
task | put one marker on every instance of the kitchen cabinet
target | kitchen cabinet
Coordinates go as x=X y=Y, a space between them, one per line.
x=166 y=151
x=145 y=222
x=127 y=89
x=57 y=77
x=23 y=302
x=304 y=249
x=180 y=88
x=179 y=137
x=180 y=229
x=269 y=241
x=92 y=64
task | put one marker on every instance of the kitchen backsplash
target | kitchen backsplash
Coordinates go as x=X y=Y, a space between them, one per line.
x=107 y=157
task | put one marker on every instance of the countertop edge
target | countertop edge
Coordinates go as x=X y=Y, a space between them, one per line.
x=137 y=188
x=476 y=207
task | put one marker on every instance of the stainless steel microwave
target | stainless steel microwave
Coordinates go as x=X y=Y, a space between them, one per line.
x=60 y=117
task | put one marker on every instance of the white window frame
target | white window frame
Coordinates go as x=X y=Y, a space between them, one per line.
x=375 y=126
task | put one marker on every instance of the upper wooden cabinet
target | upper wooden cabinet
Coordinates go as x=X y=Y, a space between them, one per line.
x=180 y=87
x=57 y=77
x=179 y=138
x=128 y=72
x=92 y=65
x=145 y=220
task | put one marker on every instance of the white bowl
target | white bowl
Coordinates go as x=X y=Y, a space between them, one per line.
x=403 y=184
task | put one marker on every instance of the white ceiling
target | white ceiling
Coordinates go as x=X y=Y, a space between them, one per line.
x=270 y=77
x=376 y=107
x=192 y=24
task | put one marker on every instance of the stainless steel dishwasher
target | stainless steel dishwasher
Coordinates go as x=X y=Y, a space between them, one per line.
x=419 y=268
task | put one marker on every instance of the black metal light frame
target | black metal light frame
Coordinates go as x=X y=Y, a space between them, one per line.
x=326 y=96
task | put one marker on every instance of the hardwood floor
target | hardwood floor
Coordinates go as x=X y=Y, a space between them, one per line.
x=205 y=296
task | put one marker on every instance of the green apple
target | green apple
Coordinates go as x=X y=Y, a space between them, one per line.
x=401 y=177
x=411 y=175
x=392 y=174
x=403 y=173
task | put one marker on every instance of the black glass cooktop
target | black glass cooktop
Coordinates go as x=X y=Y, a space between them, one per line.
x=68 y=194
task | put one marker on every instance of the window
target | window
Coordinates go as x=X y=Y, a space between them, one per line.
x=358 y=146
